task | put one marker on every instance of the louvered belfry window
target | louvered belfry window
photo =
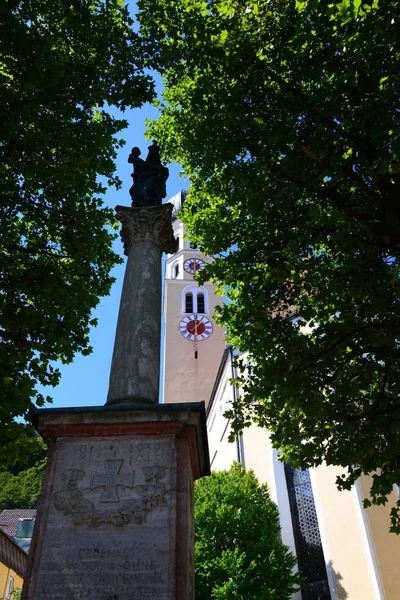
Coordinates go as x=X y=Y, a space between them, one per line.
x=200 y=304
x=189 y=303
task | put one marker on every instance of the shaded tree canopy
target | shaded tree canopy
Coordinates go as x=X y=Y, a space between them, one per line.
x=63 y=66
x=21 y=490
x=20 y=485
x=285 y=116
x=238 y=551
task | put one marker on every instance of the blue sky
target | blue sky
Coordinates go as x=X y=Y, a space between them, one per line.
x=85 y=381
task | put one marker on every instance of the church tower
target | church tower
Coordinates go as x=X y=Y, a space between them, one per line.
x=193 y=343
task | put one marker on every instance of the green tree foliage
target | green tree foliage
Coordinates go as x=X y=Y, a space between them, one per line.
x=238 y=551
x=285 y=115
x=20 y=484
x=15 y=594
x=62 y=66
x=22 y=490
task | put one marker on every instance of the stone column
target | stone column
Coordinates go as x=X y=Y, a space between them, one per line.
x=115 y=517
x=135 y=369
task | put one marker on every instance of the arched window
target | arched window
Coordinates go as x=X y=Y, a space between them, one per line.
x=195 y=300
x=189 y=302
x=173 y=270
x=178 y=243
x=200 y=303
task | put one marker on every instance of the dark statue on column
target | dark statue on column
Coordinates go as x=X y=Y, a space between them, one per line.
x=149 y=177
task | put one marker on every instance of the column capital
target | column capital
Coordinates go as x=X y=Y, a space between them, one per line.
x=147 y=224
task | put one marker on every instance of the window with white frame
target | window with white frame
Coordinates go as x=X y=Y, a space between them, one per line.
x=9 y=587
x=195 y=300
x=174 y=270
x=189 y=302
x=201 y=308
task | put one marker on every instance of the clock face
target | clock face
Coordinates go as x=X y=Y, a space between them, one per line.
x=195 y=327
x=193 y=265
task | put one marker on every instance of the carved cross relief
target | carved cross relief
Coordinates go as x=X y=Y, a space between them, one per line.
x=110 y=479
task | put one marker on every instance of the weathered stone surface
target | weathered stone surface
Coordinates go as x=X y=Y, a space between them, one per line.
x=116 y=512
x=135 y=368
x=94 y=421
x=149 y=224
x=110 y=519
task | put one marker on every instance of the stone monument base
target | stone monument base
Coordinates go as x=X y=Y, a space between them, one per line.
x=115 y=518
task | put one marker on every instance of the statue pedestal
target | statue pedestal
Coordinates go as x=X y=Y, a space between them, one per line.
x=115 y=519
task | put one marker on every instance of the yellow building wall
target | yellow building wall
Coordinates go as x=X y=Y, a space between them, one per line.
x=4 y=574
x=386 y=545
x=4 y=571
x=343 y=536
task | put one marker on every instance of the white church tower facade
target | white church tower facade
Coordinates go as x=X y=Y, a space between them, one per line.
x=193 y=343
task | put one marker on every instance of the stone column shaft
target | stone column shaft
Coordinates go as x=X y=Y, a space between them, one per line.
x=135 y=368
